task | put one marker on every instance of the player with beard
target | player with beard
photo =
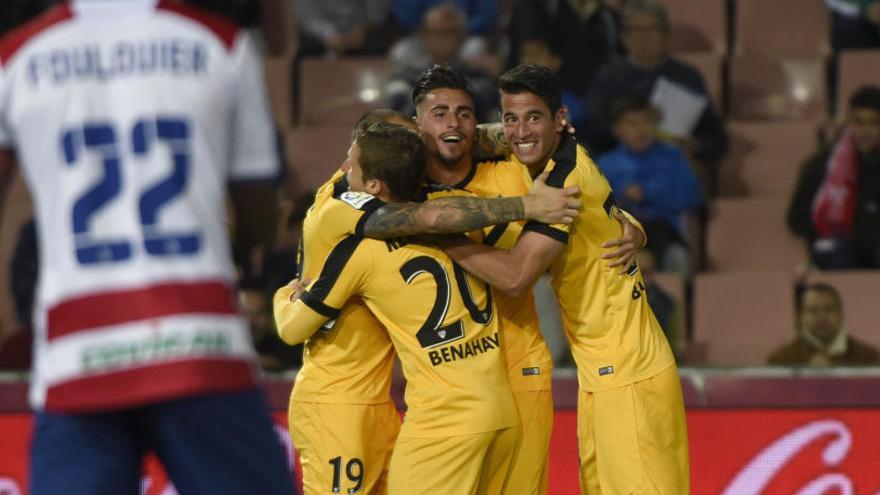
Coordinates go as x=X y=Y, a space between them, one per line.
x=632 y=435
x=445 y=115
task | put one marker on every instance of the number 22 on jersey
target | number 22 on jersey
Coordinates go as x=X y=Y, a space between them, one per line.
x=102 y=138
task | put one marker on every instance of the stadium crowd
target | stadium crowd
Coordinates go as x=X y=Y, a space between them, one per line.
x=648 y=54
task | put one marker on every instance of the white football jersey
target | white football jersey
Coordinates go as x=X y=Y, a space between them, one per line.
x=129 y=119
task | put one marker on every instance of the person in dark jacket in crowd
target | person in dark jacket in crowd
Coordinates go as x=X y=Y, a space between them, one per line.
x=822 y=339
x=836 y=203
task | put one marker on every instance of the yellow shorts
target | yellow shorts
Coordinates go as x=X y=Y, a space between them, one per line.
x=530 y=466
x=476 y=464
x=633 y=439
x=344 y=448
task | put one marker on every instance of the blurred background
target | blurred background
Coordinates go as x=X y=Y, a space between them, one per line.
x=744 y=134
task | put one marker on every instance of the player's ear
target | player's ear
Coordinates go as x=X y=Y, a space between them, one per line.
x=373 y=187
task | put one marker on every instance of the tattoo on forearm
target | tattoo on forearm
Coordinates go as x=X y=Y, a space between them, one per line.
x=442 y=216
x=464 y=214
x=392 y=220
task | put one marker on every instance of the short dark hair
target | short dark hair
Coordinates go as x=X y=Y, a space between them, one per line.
x=439 y=76
x=633 y=8
x=818 y=287
x=536 y=79
x=374 y=117
x=866 y=97
x=394 y=155
x=628 y=104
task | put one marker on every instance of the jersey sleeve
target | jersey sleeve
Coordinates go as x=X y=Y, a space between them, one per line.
x=347 y=212
x=255 y=153
x=343 y=275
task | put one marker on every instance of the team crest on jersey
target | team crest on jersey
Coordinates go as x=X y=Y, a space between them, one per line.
x=356 y=199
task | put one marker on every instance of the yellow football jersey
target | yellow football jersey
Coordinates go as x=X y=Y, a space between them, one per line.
x=530 y=366
x=614 y=336
x=351 y=361
x=442 y=323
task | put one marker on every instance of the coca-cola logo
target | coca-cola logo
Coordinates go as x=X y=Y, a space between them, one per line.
x=765 y=466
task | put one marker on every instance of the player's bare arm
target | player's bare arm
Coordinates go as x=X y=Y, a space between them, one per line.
x=516 y=271
x=463 y=214
x=513 y=272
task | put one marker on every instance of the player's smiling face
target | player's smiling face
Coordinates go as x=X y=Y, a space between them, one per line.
x=532 y=131
x=447 y=121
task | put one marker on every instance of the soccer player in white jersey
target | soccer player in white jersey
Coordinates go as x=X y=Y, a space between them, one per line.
x=128 y=119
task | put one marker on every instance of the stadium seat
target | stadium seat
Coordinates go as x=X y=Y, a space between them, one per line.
x=855 y=69
x=711 y=66
x=858 y=289
x=764 y=88
x=742 y=317
x=751 y=234
x=279 y=85
x=782 y=28
x=764 y=157
x=13 y=214
x=699 y=26
x=337 y=92
x=314 y=153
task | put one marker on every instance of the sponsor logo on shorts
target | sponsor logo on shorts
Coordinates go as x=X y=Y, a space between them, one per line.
x=606 y=370
x=531 y=371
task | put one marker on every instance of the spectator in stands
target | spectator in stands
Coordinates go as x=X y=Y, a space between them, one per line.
x=342 y=27
x=822 y=340
x=652 y=180
x=855 y=24
x=836 y=203
x=16 y=348
x=574 y=38
x=647 y=66
x=482 y=19
x=273 y=354
x=443 y=34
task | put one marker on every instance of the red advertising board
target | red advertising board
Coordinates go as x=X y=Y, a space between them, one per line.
x=733 y=452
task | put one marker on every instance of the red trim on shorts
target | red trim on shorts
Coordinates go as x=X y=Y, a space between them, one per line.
x=124 y=306
x=12 y=41
x=222 y=27
x=150 y=384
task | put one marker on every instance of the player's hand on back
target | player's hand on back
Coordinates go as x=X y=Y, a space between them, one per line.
x=626 y=246
x=551 y=204
x=568 y=127
x=298 y=286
